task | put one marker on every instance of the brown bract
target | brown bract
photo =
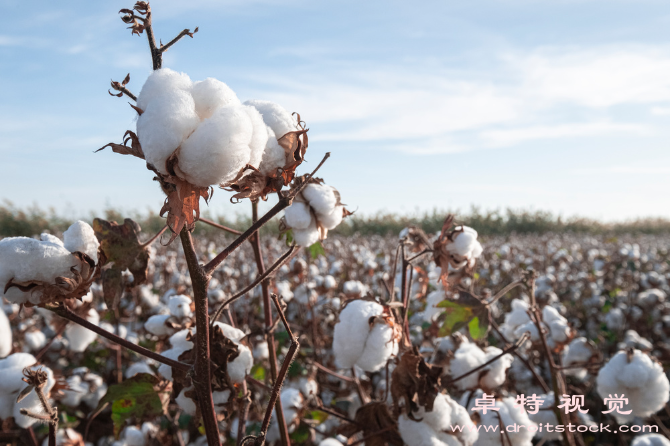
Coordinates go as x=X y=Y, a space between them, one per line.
x=136 y=22
x=255 y=185
x=64 y=288
x=119 y=86
x=378 y=426
x=134 y=149
x=414 y=382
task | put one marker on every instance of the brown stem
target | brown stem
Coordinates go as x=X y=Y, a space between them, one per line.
x=66 y=313
x=243 y=414
x=203 y=379
x=285 y=200
x=332 y=373
x=125 y=91
x=153 y=239
x=425 y=251
x=186 y=32
x=509 y=349
x=359 y=388
x=156 y=53
x=336 y=414
x=506 y=290
x=275 y=266
x=216 y=225
x=269 y=336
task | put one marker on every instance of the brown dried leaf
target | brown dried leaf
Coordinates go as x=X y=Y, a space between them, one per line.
x=136 y=108
x=414 y=382
x=378 y=426
x=183 y=204
x=134 y=149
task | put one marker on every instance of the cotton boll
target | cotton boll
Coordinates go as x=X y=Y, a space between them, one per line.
x=332 y=219
x=470 y=356
x=79 y=337
x=509 y=415
x=220 y=399
x=275 y=116
x=164 y=126
x=66 y=437
x=179 y=344
x=641 y=380
x=432 y=311
x=650 y=440
x=261 y=351
x=31 y=402
x=210 y=95
x=218 y=148
x=420 y=434
x=185 y=403
x=25 y=259
x=133 y=436
x=306 y=237
x=615 y=319
x=240 y=367
x=5 y=335
x=34 y=340
x=81 y=237
x=332 y=442
x=579 y=351
x=77 y=389
x=46 y=237
x=138 y=367
x=356 y=343
x=321 y=197
x=259 y=137
x=160 y=81
x=156 y=325
x=298 y=215
x=180 y=306
x=274 y=156
x=545 y=415
x=434 y=425
x=284 y=290
x=232 y=333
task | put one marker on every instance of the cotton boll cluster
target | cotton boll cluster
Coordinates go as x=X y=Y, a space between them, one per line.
x=179 y=315
x=637 y=376
x=316 y=210
x=216 y=135
x=85 y=387
x=364 y=337
x=470 y=356
x=12 y=384
x=435 y=427
x=508 y=415
x=26 y=261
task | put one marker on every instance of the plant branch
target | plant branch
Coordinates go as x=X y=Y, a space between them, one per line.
x=184 y=33
x=153 y=239
x=285 y=200
x=332 y=373
x=216 y=225
x=275 y=266
x=68 y=314
x=203 y=378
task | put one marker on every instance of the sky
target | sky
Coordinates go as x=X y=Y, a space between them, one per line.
x=556 y=105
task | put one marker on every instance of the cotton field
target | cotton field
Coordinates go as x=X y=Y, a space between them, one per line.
x=602 y=306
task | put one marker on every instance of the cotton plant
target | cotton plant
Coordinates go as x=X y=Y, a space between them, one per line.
x=435 y=427
x=315 y=211
x=365 y=336
x=637 y=376
x=34 y=272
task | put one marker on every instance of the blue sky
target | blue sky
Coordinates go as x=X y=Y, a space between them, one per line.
x=537 y=104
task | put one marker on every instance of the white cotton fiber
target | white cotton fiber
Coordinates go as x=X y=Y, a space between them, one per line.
x=45 y=237
x=25 y=259
x=232 y=333
x=5 y=335
x=298 y=215
x=179 y=345
x=332 y=219
x=306 y=237
x=355 y=342
x=164 y=126
x=34 y=340
x=180 y=306
x=642 y=381
x=274 y=156
x=321 y=197
x=650 y=440
x=81 y=237
x=210 y=95
x=330 y=442
x=240 y=367
x=156 y=325
x=579 y=351
x=465 y=244
x=275 y=116
x=138 y=367
x=185 y=403
x=434 y=429
x=259 y=137
x=509 y=415
x=160 y=81
x=79 y=337
x=431 y=311
x=470 y=356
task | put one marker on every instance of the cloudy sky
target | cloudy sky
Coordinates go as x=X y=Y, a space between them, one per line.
x=536 y=104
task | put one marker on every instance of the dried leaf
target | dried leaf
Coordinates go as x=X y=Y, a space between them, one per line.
x=112 y=286
x=126 y=80
x=378 y=426
x=183 y=204
x=415 y=383
x=136 y=108
x=134 y=149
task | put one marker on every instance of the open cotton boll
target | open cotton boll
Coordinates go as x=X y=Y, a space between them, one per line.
x=642 y=381
x=167 y=121
x=545 y=415
x=81 y=237
x=156 y=325
x=650 y=440
x=79 y=337
x=34 y=340
x=470 y=356
x=355 y=342
x=333 y=219
x=435 y=427
x=232 y=333
x=558 y=325
x=509 y=415
x=67 y=437
x=464 y=248
x=138 y=367
x=221 y=146
x=284 y=290
x=241 y=366
x=185 y=403
x=24 y=259
x=432 y=311
x=179 y=345
x=161 y=81
x=579 y=351
x=211 y=94
x=298 y=215
x=515 y=318
x=275 y=116
x=180 y=306
x=274 y=155
x=321 y=197
x=5 y=335
x=46 y=237
x=306 y=237
x=330 y=442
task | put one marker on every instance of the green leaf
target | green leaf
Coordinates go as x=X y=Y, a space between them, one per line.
x=466 y=310
x=258 y=372
x=289 y=237
x=300 y=435
x=133 y=398
x=316 y=250
x=318 y=415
